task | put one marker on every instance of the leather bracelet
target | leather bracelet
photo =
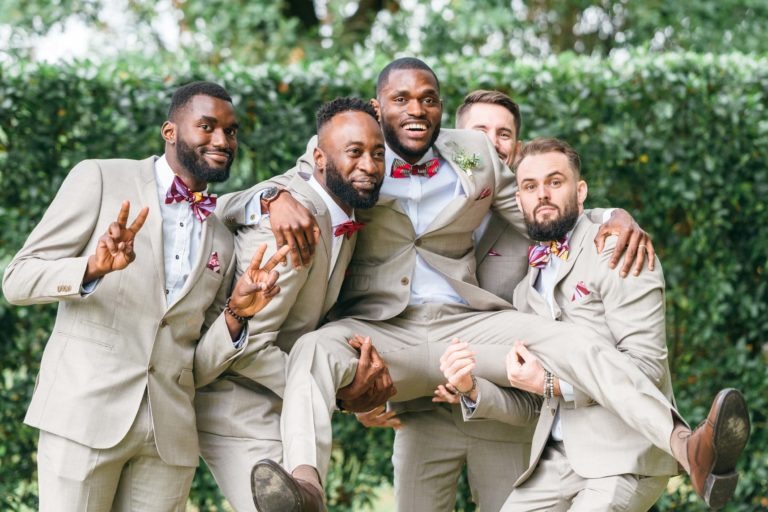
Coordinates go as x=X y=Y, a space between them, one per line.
x=231 y=312
x=467 y=392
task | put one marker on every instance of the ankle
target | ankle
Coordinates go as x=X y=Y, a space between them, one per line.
x=309 y=475
x=678 y=442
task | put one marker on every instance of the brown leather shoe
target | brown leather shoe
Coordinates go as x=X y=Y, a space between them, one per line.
x=715 y=446
x=275 y=490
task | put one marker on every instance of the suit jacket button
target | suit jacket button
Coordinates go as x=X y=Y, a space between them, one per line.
x=404 y=281
x=151 y=369
x=418 y=242
x=163 y=323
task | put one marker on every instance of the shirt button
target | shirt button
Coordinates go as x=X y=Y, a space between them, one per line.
x=177 y=256
x=181 y=224
x=253 y=216
x=404 y=281
x=166 y=292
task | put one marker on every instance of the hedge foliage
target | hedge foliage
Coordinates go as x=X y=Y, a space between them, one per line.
x=680 y=140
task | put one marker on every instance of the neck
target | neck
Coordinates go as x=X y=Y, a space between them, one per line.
x=194 y=184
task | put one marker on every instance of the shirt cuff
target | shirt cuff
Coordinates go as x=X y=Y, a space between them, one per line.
x=607 y=214
x=470 y=404
x=566 y=389
x=89 y=287
x=253 y=213
x=239 y=342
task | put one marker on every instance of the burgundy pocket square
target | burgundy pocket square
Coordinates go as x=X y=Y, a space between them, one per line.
x=213 y=262
x=484 y=193
x=580 y=291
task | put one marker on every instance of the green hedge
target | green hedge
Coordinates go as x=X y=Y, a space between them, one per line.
x=680 y=140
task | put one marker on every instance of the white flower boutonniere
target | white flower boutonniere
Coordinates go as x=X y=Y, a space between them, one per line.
x=466 y=162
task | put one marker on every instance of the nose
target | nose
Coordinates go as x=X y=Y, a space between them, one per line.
x=415 y=108
x=368 y=165
x=542 y=192
x=219 y=138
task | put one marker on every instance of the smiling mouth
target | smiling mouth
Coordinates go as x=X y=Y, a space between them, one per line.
x=416 y=127
x=218 y=156
x=364 y=184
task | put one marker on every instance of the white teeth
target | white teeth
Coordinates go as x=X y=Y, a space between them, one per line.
x=415 y=126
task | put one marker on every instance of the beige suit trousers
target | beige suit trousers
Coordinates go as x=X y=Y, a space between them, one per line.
x=429 y=453
x=555 y=487
x=322 y=362
x=130 y=476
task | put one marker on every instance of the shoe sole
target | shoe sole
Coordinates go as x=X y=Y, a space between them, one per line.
x=731 y=432
x=271 y=491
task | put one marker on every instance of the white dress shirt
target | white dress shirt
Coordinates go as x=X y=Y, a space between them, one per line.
x=545 y=285
x=181 y=234
x=423 y=199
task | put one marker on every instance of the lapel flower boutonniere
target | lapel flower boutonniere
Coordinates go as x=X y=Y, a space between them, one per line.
x=466 y=162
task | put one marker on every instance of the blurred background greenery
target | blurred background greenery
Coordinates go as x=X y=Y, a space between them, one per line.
x=665 y=100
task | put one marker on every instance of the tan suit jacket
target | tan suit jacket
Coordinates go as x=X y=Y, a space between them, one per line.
x=228 y=406
x=110 y=346
x=378 y=285
x=629 y=311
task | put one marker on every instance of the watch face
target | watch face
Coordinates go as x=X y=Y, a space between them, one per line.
x=269 y=193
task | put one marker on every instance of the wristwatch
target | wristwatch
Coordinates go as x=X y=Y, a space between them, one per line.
x=269 y=195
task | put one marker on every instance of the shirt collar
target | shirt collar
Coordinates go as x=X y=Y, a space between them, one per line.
x=337 y=214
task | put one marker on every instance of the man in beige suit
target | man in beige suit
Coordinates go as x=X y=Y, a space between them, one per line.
x=412 y=287
x=433 y=442
x=113 y=399
x=572 y=467
x=238 y=414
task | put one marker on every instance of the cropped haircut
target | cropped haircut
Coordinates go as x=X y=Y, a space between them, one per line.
x=403 y=63
x=328 y=110
x=186 y=92
x=549 y=145
x=491 y=98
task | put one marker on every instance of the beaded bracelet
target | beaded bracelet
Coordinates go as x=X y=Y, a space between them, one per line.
x=231 y=312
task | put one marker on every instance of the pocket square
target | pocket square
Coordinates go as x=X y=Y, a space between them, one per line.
x=580 y=291
x=493 y=252
x=484 y=193
x=213 y=262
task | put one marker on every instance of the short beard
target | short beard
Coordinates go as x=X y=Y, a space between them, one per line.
x=394 y=143
x=345 y=191
x=194 y=163
x=554 y=229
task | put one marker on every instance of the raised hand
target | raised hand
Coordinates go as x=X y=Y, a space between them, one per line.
x=633 y=243
x=524 y=370
x=295 y=227
x=114 y=251
x=258 y=285
x=457 y=363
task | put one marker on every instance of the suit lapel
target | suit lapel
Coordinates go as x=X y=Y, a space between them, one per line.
x=535 y=299
x=154 y=222
x=575 y=246
x=338 y=273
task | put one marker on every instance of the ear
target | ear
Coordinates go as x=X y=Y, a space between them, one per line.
x=517 y=199
x=319 y=157
x=168 y=131
x=581 y=190
x=377 y=107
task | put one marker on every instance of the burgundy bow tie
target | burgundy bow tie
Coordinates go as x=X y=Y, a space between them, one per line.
x=202 y=204
x=348 y=228
x=402 y=169
x=538 y=254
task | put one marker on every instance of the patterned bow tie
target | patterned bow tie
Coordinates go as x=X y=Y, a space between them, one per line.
x=202 y=204
x=402 y=169
x=348 y=228
x=538 y=254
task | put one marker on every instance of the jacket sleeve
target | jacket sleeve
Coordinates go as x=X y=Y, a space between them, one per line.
x=51 y=264
x=508 y=405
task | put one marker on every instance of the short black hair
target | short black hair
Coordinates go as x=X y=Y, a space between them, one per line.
x=186 y=92
x=328 y=110
x=403 y=63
